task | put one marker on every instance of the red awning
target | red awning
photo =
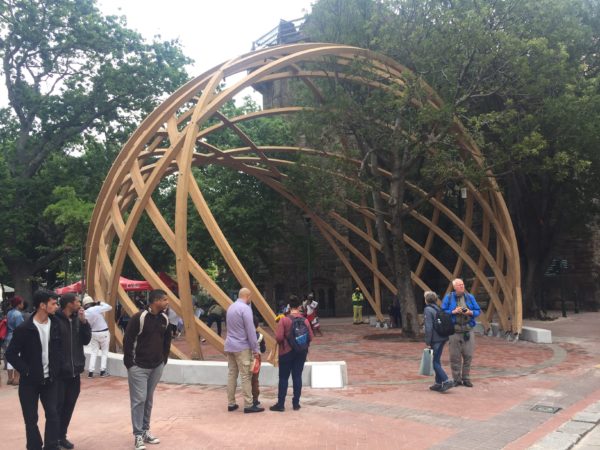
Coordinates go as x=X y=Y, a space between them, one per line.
x=74 y=288
x=134 y=285
x=127 y=284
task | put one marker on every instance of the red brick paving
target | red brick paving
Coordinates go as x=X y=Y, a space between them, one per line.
x=386 y=405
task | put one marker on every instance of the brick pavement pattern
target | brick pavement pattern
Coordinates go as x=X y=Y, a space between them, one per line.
x=385 y=406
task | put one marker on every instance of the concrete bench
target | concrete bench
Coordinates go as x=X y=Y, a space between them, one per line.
x=531 y=334
x=318 y=374
x=537 y=335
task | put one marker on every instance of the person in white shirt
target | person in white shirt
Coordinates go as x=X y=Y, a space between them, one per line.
x=94 y=314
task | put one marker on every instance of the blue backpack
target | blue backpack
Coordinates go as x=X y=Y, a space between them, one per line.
x=299 y=336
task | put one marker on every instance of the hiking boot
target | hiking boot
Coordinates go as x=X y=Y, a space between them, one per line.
x=277 y=407
x=90 y=374
x=467 y=383
x=139 y=442
x=253 y=409
x=448 y=384
x=104 y=374
x=149 y=439
x=435 y=387
x=232 y=407
x=65 y=443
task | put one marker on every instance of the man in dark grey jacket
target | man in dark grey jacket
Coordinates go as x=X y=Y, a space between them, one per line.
x=435 y=342
x=75 y=332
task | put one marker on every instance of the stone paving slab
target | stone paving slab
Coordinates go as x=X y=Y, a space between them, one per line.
x=386 y=405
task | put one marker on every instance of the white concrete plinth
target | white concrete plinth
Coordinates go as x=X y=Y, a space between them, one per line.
x=326 y=375
x=537 y=335
x=330 y=374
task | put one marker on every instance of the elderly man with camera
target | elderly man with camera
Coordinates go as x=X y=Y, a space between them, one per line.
x=463 y=308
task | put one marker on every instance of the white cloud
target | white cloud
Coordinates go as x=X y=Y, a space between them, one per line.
x=210 y=31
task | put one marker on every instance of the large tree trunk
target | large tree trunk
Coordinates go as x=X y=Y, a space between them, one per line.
x=21 y=272
x=401 y=267
x=536 y=228
x=406 y=294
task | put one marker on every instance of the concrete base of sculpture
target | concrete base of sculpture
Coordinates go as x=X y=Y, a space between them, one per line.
x=327 y=374
x=531 y=334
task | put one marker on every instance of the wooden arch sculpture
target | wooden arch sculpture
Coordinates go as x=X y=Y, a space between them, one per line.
x=172 y=140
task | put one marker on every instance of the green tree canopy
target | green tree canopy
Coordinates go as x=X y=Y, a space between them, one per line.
x=77 y=83
x=522 y=75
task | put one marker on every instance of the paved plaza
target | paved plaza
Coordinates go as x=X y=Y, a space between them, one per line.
x=385 y=406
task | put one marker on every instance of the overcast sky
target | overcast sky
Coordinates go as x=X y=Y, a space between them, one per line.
x=210 y=31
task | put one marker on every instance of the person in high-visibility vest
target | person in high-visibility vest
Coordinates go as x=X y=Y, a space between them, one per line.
x=357 y=305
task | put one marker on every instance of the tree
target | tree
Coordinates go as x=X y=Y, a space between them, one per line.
x=522 y=75
x=77 y=84
x=399 y=138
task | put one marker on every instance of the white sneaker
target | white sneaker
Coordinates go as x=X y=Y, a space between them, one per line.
x=149 y=439
x=139 y=442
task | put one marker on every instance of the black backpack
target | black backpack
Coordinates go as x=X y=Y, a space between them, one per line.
x=299 y=337
x=442 y=323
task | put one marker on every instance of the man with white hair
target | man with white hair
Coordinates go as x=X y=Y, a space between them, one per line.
x=241 y=347
x=94 y=314
x=464 y=309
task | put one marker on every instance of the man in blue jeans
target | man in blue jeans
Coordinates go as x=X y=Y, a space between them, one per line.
x=435 y=342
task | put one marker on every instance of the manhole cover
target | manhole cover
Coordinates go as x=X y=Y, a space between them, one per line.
x=546 y=409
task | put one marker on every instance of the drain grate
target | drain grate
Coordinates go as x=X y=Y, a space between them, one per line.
x=546 y=409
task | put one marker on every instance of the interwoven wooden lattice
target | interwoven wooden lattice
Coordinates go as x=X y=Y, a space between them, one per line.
x=172 y=140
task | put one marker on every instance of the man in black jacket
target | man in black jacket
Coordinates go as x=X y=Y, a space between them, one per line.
x=35 y=351
x=75 y=332
x=146 y=347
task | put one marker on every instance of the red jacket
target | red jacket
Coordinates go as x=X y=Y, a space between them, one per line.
x=284 y=328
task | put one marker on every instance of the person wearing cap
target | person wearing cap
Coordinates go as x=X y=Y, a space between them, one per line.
x=75 y=333
x=36 y=351
x=14 y=318
x=357 y=306
x=100 y=336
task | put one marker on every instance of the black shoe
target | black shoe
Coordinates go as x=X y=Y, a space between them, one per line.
x=256 y=403
x=253 y=409
x=65 y=443
x=458 y=383
x=447 y=385
x=435 y=387
x=467 y=383
x=296 y=407
x=277 y=407
x=90 y=374
x=232 y=407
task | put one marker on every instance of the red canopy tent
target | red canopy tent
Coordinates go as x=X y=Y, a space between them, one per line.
x=127 y=284
x=134 y=285
x=75 y=288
